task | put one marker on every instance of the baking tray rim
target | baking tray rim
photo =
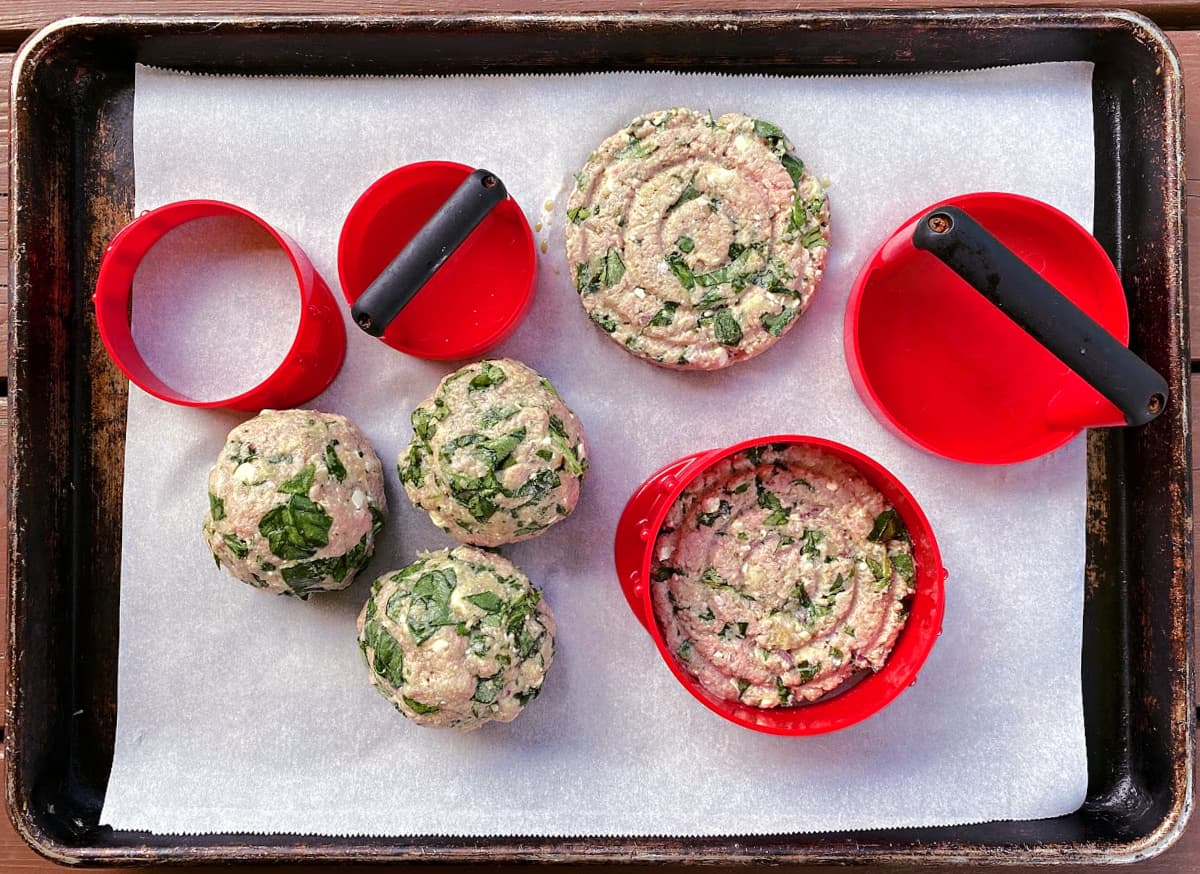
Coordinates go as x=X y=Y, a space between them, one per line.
x=1169 y=829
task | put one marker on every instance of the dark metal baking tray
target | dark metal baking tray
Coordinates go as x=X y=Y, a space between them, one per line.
x=72 y=188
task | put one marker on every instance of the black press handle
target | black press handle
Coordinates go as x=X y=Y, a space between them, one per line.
x=1043 y=312
x=427 y=251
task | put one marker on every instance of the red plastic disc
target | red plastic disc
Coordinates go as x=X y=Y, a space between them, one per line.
x=308 y=368
x=942 y=367
x=479 y=295
x=633 y=552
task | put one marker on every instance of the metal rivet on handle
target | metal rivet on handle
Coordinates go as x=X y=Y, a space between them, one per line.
x=939 y=223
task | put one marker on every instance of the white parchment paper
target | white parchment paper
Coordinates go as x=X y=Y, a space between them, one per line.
x=243 y=712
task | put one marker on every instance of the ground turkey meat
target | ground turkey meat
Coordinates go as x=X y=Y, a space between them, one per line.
x=496 y=456
x=779 y=574
x=696 y=242
x=295 y=501
x=457 y=638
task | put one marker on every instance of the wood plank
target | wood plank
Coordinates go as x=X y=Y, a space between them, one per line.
x=18 y=19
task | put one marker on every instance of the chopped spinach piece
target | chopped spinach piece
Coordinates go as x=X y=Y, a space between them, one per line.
x=881 y=570
x=487 y=689
x=707 y=615
x=297 y=529
x=774 y=323
x=489 y=375
x=807 y=671
x=839 y=586
x=579 y=214
x=664 y=316
x=614 y=268
x=606 y=321
x=784 y=693
x=216 y=506
x=430 y=607
x=690 y=192
x=637 y=148
x=662 y=573
x=727 y=329
x=742 y=686
x=300 y=483
x=496 y=415
x=337 y=470
x=723 y=509
x=419 y=708
x=307 y=576
x=489 y=602
x=685 y=244
x=794 y=167
x=539 y=485
x=888 y=526
x=524 y=698
x=388 y=657
x=237 y=546
x=903 y=562
x=801 y=594
x=681 y=270
x=768 y=131
x=835 y=653
x=685 y=651
x=811 y=538
x=768 y=500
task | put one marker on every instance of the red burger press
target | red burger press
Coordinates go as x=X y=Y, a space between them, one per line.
x=992 y=328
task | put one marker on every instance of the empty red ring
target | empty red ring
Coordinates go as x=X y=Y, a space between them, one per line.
x=311 y=363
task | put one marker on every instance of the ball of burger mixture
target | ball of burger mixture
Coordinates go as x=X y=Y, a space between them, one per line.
x=496 y=456
x=456 y=639
x=295 y=501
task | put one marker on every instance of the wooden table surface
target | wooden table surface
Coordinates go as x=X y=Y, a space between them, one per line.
x=20 y=18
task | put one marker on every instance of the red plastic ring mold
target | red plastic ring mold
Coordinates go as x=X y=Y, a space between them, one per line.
x=311 y=363
x=476 y=299
x=638 y=529
x=945 y=370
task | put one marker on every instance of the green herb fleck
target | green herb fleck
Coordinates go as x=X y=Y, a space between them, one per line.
x=707 y=519
x=488 y=602
x=887 y=527
x=811 y=538
x=216 y=506
x=774 y=323
x=237 y=546
x=784 y=693
x=337 y=470
x=301 y=482
x=664 y=316
x=807 y=671
x=690 y=192
x=903 y=562
x=662 y=573
x=489 y=375
x=606 y=321
x=726 y=328
x=419 y=708
x=794 y=167
x=637 y=148
x=681 y=270
x=767 y=131
x=685 y=244
x=579 y=214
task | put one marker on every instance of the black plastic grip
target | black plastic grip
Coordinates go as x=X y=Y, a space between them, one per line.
x=398 y=283
x=1038 y=308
